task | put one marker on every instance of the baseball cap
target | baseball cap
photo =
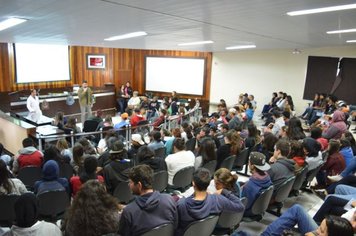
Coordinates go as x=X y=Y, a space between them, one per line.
x=259 y=161
x=117 y=147
x=124 y=116
x=137 y=138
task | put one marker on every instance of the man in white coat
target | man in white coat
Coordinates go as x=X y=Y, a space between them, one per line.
x=33 y=106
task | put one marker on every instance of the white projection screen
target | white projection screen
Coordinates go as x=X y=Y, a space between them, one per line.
x=41 y=63
x=183 y=75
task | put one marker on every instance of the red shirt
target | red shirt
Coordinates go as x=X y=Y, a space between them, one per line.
x=33 y=159
x=76 y=183
x=135 y=119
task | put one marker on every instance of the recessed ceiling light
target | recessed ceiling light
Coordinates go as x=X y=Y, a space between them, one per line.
x=341 y=31
x=10 y=23
x=323 y=9
x=126 y=36
x=195 y=43
x=351 y=41
x=240 y=47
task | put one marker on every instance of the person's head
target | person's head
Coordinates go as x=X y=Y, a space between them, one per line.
x=4 y=177
x=51 y=152
x=282 y=148
x=156 y=136
x=316 y=132
x=224 y=128
x=257 y=163
x=26 y=210
x=108 y=119
x=251 y=97
x=207 y=150
x=62 y=144
x=204 y=131
x=27 y=142
x=50 y=170
x=176 y=133
x=201 y=179
x=33 y=92
x=295 y=129
x=85 y=84
x=178 y=145
x=338 y=116
x=163 y=112
x=316 y=96
x=128 y=84
x=334 y=146
x=252 y=130
x=145 y=153
x=335 y=225
x=224 y=179
x=59 y=116
x=232 y=112
x=276 y=114
x=311 y=147
x=124 y=116
x=232 y=137
x=78 y=152
x=347 y=135
x=137 y=140
x=344 y=143
x=71 y=122
x=90 y=165
x=140 y=179
x=135 y=93
x=117 y=151
x=296 y=149
x=174 y=93
x=274 y=95
x=286 y=115
x=269 y=140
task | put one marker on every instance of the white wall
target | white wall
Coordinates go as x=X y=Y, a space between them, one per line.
x=261 y=72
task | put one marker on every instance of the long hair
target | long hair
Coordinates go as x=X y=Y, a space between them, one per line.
x=295 y=130
x=93 y=212
x=235 y=141
x=5 y=177
x=225 y=178
x=207 y=151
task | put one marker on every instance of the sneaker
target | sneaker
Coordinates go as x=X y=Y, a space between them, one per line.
x=335 y=178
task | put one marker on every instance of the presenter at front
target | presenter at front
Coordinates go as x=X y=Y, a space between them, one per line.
x=33 y=106
x=85 y=101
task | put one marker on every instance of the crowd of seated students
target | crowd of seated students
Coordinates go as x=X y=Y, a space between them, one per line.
x=98 y=171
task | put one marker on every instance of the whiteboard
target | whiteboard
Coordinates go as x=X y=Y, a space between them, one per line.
x=183 y=75
x=41 y=63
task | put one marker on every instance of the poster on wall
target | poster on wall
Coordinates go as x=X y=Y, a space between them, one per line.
x=95 y=61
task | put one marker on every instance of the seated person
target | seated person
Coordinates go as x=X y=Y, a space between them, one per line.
x=223 y=179
x=258 y=181
x=160 y=120
x=8 y=184
x=312 y=151
x=179 y=159
x=136 y=143
x=134 y=101
x=156 y=143
x=3 y=156
x=206 y=153
x=297 y=155
x=136 y=117
x=346 y=150
x=27 y=223
x=201 y=204
x=337 y=126
x=97 y=117
x=50 y=180
x=146 y=156
x=72 y=125
x=28 y=156
x=315 y=133
x=149 y=209
x=124 y=121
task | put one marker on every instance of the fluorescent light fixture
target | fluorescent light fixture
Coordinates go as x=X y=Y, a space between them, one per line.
x=10 y=23
x=196 y=43
x=351 y=41
x=341 y=31
x=126 y=36
x=240 y=47
x=323 y=9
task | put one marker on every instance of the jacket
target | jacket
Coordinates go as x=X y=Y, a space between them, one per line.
x=28 y=156
x=280 y=171
x=85 y=98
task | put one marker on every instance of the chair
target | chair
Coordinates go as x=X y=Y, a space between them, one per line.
x=299 y=179
x=229 y=221
x=281 y=195
x=190 y=144
x=228 y=162
x=90 y=126
x=202 y=227
x=52 y=204
x=241 y=160
x=260 y=205
x=142 y=127
x=160 y=180
x=211 y=166
x=66 y=171
x=183 y=178
x=7 y=216
x=311 y=175
x=123 y=192
x=162 y=230
x=160 y=152
x=29 y=175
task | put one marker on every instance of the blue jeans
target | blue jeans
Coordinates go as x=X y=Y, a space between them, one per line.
x=350 y=168
x=345 y=192
x=332 y=206
x=294 y=215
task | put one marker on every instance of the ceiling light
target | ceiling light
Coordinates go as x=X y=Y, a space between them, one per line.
x=126 y=36
x=341 y=31
x=323 y=9
x=196 y=43
x=351 y=41
x=240 y=47
x=10 y=23
x=296 y=51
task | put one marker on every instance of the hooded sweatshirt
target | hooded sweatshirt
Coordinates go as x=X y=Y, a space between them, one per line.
x=147 y=212
x=51 y=180
x=29 y=156
x=348 y=155
x=337 y=126
x=191 y=210
x=252 y=188
x=280 y=171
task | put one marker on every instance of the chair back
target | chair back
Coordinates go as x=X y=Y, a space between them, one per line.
x=123 y=192
x=260 y=205
x=190 y=144
x=53 y=203
x=183 y=177
x=162 y=230
x=230 y=219
x=107 y=128
x=211 y=166
x=202 y=227
x=29 y=175
x=242 y=159
x=283 y=191
x=160 y=152
x=7 y=209
x=66 y=171
x=90 y=125
x=160 y=180
x=311 y=174
x=228 y=162
x=300 y=178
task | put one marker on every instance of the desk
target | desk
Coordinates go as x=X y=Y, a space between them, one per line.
x=47 y=130
x=44 y=120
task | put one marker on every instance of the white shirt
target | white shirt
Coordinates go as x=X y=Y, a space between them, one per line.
x=178 y=161
x=278 y=124
x=134 y=101
x=33 y=104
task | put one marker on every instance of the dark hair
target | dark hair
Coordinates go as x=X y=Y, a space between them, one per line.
x=316 y=132
x=334 y=146
x=283 y=146
x=5 y=175
x=78 y=152
x=337 y=225
x=295 y=130
x=207 y=150
x=349 y=136
x=224 y=177
x=269 y=141
x=224 y=126
x=144 y=153
x=276 y=114
x=156 y=136
x=296 y=149
x=1 y=148
x=235 y=141
x=176 y=133
x=188 y=132
x=27 y=142
x=179 y=144
x=90 y=165
x=52 y=153
x=142 y=174
x=344 y=143
x=85 y=215
x=201 y=179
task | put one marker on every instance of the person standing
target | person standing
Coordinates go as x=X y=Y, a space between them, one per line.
x=85 y=101
x=33 y=106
